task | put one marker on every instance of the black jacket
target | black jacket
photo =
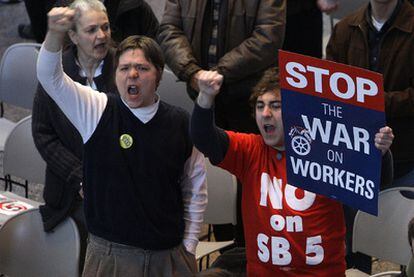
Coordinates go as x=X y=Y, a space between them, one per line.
x=60 y=144
x=131 y=17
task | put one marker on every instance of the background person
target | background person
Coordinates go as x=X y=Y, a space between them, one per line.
x=37 y=12
x=131 y=17
x=144 y=182
x=89 y=61
x=380 y=37
x=239 y=40
x=127 y=17
x=304 y=26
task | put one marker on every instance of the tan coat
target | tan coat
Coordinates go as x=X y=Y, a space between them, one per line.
x=349 y=44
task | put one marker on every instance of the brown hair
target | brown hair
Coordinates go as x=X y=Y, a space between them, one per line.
x=150 y=48
x=268 y=82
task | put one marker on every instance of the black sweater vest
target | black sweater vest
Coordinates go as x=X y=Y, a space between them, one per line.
x=133 y=195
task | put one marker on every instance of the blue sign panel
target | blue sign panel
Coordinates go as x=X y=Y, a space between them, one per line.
x=329 y=149
x=331 y=113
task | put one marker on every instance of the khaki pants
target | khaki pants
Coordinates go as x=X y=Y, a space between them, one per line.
x=108 y=259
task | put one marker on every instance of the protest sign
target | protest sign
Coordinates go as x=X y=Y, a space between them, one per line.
x=331 y=113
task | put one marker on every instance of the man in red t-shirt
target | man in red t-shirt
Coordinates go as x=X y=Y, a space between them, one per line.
x=288 y=231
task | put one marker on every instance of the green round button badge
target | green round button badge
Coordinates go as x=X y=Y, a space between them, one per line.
x=125 y=141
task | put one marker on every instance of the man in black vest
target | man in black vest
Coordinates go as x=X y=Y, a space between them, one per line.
x=144 y=182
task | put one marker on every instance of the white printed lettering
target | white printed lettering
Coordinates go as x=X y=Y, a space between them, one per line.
x=298 y=77
x=263 y=252
x=291 y=68
x=271 y=189
x=371 y=90
x=280 y=251
x=314 y=252
x=369 y=193
x=331 y=175
x=296 y=203
x=341 y=135
x=317 y=73
x=333 y=82
x=292 y=223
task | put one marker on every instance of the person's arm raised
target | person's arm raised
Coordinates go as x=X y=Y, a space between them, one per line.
x=209 y=83
x=82 y=105
x=209 y=139
x=60 y=20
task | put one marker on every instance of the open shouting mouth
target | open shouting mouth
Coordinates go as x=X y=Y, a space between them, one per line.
x=133 y=90
x=268 y=128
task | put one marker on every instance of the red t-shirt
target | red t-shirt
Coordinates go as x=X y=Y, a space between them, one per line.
x=288 y=231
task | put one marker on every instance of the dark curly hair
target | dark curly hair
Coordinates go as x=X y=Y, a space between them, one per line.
x=268 y=82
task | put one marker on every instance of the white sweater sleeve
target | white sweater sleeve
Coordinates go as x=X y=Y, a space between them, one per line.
x=194 y=189
x=81 y=104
